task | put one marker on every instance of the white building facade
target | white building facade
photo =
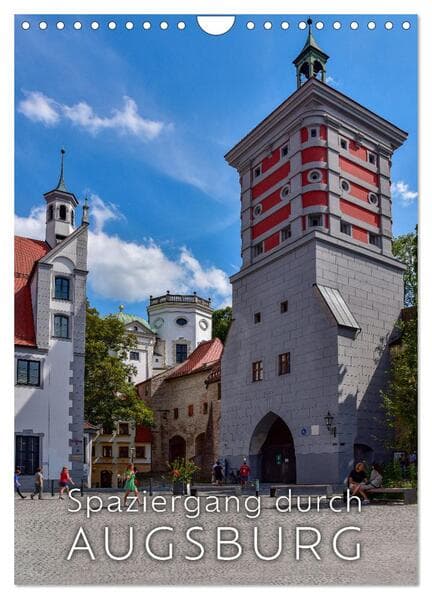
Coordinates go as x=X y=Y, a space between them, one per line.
x=50 y=306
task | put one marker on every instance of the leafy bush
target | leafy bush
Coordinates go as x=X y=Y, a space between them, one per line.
x=182 y=470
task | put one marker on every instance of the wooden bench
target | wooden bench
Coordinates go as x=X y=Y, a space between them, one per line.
x=409 y=495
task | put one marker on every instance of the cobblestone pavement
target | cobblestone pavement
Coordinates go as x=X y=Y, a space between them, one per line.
x=45 y=532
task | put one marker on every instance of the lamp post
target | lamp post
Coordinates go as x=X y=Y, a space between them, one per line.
x=328 y=419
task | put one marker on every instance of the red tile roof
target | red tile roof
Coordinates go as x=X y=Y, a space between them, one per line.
x=202 y=358
x=27 y=253
x=215 y=374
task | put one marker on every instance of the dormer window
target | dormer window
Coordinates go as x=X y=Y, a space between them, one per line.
x=62 y=212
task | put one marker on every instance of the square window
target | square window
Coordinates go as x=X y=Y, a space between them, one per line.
x=257 y=171
x=315 y=220
x=284 y=363
x=134 y=355
x=62 y=288
x=374 y=240
x=61 y=326
x=176 y=413
x=257 y=317
x=286 y=233
x=140 y=452
x=345 y=228
x=123 y=451
x=257 y=371
x=314 y=133
x=344 y=144
x=372 y=158
x=123 y=428
x=205 y=408
x=107 y=451
x=190 y=410
x=258 y=249
x=284 y=306
x=284 y=151
x=28 y=372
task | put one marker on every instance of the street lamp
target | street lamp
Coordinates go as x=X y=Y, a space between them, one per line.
x=328 y=419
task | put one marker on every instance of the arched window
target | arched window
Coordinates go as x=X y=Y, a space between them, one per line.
x=61 y=326
x=62 y=288
x=72 y=217
x=62 y=212
x=50 y=212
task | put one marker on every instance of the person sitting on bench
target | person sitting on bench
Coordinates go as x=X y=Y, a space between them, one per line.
x=375 y=479
x=357 y=481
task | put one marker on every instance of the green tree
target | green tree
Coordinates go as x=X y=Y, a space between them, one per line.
x=109 y=396
x=221 y=322
x=405 y=249
x=400 y=397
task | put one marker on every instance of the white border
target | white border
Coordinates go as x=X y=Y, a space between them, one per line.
x=7 y=9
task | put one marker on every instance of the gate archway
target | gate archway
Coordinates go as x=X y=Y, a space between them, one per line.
x=177 y=448
x=272 y=450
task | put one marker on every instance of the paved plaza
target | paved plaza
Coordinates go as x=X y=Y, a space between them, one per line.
x=45 y=532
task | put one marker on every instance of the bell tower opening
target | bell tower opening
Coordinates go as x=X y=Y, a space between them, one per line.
x=311 y=62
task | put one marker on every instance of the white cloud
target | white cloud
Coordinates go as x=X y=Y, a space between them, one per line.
x=32 y=226
x=125 y=120
x=401 y=191
x=129 y=271
x=38 y=107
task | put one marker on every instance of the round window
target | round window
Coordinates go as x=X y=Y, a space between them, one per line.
x=181 y=321
x=345 y=186
x=257 y=210
x=373 y=199
x=285 y=191
x=314 y=176
x=203 y=324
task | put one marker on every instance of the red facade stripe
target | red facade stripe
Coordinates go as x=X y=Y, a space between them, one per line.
x=271 y=160
x=359 y=192
x=357 y=150
x=304 y=134
x=314 y=154
x=272 y=241
x=360 y=213
x=271 y=200
x=271 y=180
x=271 y=221
x=323 y=132
x=315 y=198
x=360 y=234
x=358 y=171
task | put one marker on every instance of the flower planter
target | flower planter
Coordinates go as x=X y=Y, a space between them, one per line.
x=178 y=488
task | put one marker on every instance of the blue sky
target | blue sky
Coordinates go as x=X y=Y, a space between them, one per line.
x=146 y=117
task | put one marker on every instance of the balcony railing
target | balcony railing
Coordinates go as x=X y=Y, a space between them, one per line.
x=179 y=299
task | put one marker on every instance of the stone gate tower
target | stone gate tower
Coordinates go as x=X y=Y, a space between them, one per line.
x=318 y=293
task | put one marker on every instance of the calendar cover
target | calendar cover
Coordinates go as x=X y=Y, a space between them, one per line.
x=215 y=269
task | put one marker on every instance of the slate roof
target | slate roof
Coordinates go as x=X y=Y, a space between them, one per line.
x=27 y=253
x=202 y=358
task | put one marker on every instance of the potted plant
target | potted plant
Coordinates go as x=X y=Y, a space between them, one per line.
x=181 y=473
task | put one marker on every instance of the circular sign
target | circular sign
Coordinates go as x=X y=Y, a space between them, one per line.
x=304 y=432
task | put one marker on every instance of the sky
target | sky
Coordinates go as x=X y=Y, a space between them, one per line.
x=146 y=116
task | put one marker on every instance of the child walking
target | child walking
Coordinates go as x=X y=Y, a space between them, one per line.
x=65 y=479
x=38 y=483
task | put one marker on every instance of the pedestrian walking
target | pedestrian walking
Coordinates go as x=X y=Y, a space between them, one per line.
x=18 y=483
x=38 y=484
x=130 y=485
x=64 y=481
x=244 y=473
x=218 y=473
